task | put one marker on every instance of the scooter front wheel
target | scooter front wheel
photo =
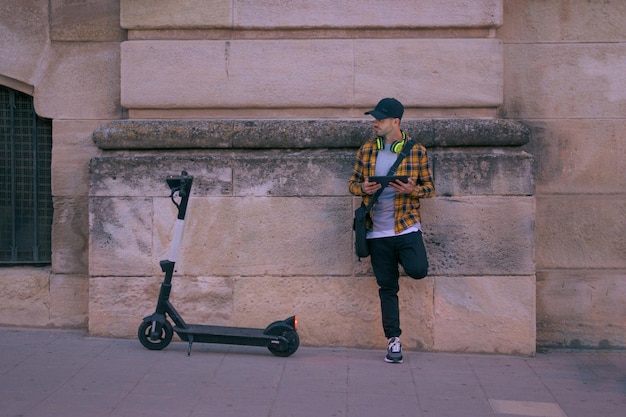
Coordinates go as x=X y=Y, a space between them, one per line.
x=161 y=341
x=293 y=342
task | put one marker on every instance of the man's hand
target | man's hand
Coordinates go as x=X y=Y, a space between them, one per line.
x=370 y=187
x=403 y=187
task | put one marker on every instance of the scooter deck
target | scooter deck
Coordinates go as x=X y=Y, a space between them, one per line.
x=224 y=335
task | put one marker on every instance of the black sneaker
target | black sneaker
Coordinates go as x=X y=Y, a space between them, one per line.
x=394 y=350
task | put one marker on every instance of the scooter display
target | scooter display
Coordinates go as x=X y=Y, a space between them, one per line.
x=156 y=332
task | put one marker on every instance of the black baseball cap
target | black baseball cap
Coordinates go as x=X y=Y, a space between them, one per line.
x=386 y=108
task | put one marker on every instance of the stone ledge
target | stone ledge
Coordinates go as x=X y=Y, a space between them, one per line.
x=299 y=134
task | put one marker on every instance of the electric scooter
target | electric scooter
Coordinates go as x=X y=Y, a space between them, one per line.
x=155 y=332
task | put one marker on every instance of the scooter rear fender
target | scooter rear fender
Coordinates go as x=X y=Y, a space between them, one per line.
x=277 y=327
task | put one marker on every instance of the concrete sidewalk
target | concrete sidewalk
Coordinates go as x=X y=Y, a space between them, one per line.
x=60 y=373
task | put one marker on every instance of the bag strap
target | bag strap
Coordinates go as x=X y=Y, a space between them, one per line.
x=403 y=154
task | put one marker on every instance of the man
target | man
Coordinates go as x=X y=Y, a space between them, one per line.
x=394 y=234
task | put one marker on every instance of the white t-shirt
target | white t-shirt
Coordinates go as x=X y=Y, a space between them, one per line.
x=384 y=208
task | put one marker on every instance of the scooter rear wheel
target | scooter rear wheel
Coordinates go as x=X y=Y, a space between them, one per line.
x=293 y=342
x=164 y=338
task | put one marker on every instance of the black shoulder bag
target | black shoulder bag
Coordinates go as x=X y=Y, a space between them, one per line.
x=360 y=214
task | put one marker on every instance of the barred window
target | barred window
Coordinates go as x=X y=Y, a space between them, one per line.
x=25 y=190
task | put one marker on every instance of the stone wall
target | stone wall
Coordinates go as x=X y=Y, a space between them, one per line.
x=142 y=88
x=564 y=72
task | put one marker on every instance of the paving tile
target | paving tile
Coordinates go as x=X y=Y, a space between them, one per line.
x=527 y=408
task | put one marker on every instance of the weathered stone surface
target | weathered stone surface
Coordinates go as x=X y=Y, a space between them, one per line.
x=539 y=21
x=335 y=311
x=37 y=297
x=474 y=236
x=246 y=173
x=117 y=305
x=494 y=314
x=331 y=311
x=483 y=172
x=588 y=77
x=235 y=73
x=485 y=234
x=85 y=20
x=69 y=300
x=254 y=236
x=581 y=309
x=584 y=157
x=71 y=152
x=485 y=314
x=581 y=233
x=145 y=175
x=127 y=300
x=25 y=296
x=430 y=73
x=163 y=14
x=264 y=236
x=120 y=237
x=370 y=13
x=314 y=133
x=268 y=14
x=282 y=73
x=23 y=39
x=79 y=81
x=70 y=239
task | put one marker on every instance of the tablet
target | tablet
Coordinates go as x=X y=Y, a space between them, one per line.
x=384 y=180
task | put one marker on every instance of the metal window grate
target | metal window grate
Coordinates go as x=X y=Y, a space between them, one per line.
x=25 y=191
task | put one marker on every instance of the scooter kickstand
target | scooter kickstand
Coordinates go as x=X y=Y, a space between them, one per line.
x=190 y=343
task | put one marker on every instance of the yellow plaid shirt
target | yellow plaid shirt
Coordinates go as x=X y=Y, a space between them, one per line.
x=415 y=165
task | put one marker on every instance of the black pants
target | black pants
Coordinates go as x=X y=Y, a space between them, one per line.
x=386 y=254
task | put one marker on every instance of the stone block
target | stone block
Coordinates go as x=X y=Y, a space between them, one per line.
x=117 y=305
x=146 y=175
x=494 y=314
x=539 y=21
x=269 y=14
x=578 y=232
x=233 y=74
x=69 y=300
x=479 y=235
x=120 y=237
x=79 y=81
x=72 y=148
x=164 y=14
x=243 y=173
x=282 y=73
x=579 y=156
x=70 y=242
x=85 y=21
x=581 y=309
x=22 y=41
x=24 y=296
x=430 y=72
x=568 y=81
x=252 y=236
x=306 y=174
x=477 y=171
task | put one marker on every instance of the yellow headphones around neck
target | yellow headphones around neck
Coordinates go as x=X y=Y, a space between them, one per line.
x=395 y=146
